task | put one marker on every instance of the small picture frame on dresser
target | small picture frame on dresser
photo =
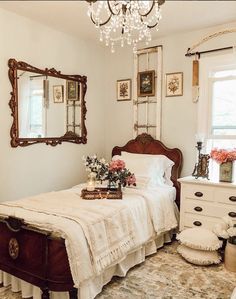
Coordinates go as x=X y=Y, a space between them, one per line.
x=226 y=172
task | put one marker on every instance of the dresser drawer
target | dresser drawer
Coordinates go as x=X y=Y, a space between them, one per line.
x=209 y=209
x=226 y=196
x=198 y=192
x=192 y=220
x=197 y=207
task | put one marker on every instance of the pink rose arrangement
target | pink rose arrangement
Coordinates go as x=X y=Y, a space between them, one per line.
x=118 y=173
x=223 y=155
x=114 y=172
x=116 y=165
x=131 y=180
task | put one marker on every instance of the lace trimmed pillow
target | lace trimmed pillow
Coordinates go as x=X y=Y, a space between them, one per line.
x=199 y=238
x=199 y=257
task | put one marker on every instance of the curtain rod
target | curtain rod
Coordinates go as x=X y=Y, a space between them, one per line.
x=207 y=51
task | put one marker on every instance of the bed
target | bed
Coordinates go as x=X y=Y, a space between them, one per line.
x=42 y=259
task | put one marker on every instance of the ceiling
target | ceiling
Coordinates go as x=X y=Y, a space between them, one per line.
x=177 y=16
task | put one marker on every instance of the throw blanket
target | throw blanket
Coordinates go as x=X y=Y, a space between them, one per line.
x=108 y=227
x=97 y=233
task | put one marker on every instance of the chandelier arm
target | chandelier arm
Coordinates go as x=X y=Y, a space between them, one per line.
x=102 y=24
x=111 y=11
x=150 y=10
x=152 y=26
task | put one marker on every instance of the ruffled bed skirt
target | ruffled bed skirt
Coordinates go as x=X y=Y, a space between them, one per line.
x=90 y=288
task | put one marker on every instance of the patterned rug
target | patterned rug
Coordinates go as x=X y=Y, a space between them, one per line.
x=166 y=275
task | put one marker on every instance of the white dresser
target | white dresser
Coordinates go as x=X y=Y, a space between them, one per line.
x=203 y=203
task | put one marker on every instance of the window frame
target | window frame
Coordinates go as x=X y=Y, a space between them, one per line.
x=208 y=66
x=211 y=81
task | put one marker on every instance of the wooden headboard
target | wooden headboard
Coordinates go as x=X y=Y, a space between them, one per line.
x=146 y=144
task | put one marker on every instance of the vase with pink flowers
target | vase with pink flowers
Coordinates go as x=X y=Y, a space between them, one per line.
x=114 y=173
x=226 y=158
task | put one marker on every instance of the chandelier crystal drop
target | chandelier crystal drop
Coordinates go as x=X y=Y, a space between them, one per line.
x=125 y=21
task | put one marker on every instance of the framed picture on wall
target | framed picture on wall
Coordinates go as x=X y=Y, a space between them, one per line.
x=123 y=90
x=174 y=84
x=58 y=93
x=72 y=90
x=146 y=84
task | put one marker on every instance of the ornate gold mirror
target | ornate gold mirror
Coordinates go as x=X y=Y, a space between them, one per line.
x=47 y=106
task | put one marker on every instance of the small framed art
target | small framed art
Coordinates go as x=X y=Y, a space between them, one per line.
x=72 y=90
x=174 y=84
x=58 y=93
x=146 y=84
x=123 y=90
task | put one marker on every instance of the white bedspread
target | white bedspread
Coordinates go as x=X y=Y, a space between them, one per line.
x=87 y=225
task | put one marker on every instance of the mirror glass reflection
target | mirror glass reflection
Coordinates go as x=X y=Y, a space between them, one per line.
x=48 y=106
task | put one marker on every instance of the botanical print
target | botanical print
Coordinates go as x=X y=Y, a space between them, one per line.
x=174 y=84
x=146 y=83
x=124 y=90
x=72 y=90
x=58 y=93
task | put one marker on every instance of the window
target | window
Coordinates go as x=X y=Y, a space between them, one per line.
x=217 y=104
x=223 y=104
x=217 y=100
x=36 y=109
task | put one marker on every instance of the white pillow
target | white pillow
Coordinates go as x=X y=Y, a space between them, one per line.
x=143 y=169
x=142 y=182
x=162 y=163
x=199 y=238
x=199 y=257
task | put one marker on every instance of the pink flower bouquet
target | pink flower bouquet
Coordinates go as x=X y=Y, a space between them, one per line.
x=114 y=172
x=116 y=165
x=117 y=172
x=223 y=155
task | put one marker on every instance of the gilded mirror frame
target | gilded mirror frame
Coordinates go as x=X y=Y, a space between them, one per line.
x=70 y=136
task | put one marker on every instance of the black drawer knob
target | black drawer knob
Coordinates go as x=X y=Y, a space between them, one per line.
x=198 y=194
x=232 y=198
x=197 y=223
x=232 y=214
x=198 y=209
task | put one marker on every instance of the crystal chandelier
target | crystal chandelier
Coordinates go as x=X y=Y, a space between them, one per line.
x=125 y=21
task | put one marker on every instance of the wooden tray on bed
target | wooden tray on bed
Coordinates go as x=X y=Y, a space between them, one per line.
x=101 y=193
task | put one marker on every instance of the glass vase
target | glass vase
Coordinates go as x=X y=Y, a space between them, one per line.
x=111 y=185
x=226 y=172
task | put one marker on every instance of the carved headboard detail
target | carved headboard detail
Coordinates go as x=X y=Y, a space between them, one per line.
x=146 y=144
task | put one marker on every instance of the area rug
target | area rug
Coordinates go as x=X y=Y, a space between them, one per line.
x=165 y=275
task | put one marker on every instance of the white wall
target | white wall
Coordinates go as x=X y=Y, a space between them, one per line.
x=179 y=114
x=41 y=168
x=119 y=114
